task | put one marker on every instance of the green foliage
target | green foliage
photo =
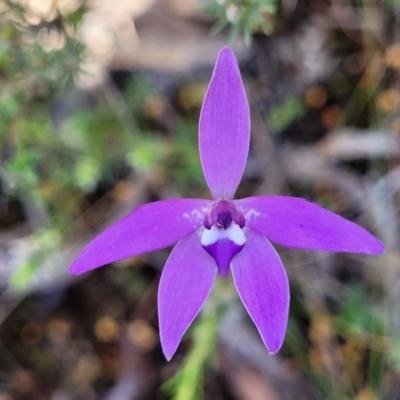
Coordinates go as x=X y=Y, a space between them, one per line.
x=41 y=59
x=363 y=321
x=182 y=160
x=188 y=381
x=53 y=168
x=243 y=17
x=355 y=318
x=50 y=166
x=42 y=244
x=282 y=115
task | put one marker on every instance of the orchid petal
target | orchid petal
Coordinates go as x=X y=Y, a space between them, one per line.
x=223 y=245
x=149 y=227
x=298 y=223
x=223 y=251
x=224 y=128
x=185 y=284
x=263 y=287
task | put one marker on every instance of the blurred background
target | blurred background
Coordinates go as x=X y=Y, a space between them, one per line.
x=99 y=104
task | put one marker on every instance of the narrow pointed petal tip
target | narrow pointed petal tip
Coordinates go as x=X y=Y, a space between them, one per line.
x=185 y=284
x=263 y=287
x=298 y=223
x=224 y=128
x=149 y=227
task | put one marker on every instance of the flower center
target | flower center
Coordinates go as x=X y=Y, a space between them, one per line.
x=223 y=237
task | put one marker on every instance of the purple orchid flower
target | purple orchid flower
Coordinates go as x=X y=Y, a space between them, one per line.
x=225 y=234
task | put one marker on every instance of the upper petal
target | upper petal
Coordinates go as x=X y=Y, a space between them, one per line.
x=149 y=227
x=224 y=128
x=263 y=286
x=298 y=223
x=185 y=284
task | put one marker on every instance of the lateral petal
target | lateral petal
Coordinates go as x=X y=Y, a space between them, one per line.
x=298 y=223
x=149 y=227
x=185 y=284
x=224 y=128
x=263 y=287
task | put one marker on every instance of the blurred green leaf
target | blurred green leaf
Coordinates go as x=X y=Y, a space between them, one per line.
x=282 y=115
x=146 y=154
x=243 y=16
x=22 y=275
x=42 y=244
x=86 y=174
x=188 y=381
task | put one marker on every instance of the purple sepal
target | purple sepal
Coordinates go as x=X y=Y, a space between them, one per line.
x=298 y=223
x=185 y=284
x=150 y=227
x=263 y=287
x=224 y=128
x=223 y=251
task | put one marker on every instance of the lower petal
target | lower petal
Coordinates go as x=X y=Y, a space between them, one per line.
x=223 y=251
x=263 y=287
x=223 y=245
x=185 y=284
